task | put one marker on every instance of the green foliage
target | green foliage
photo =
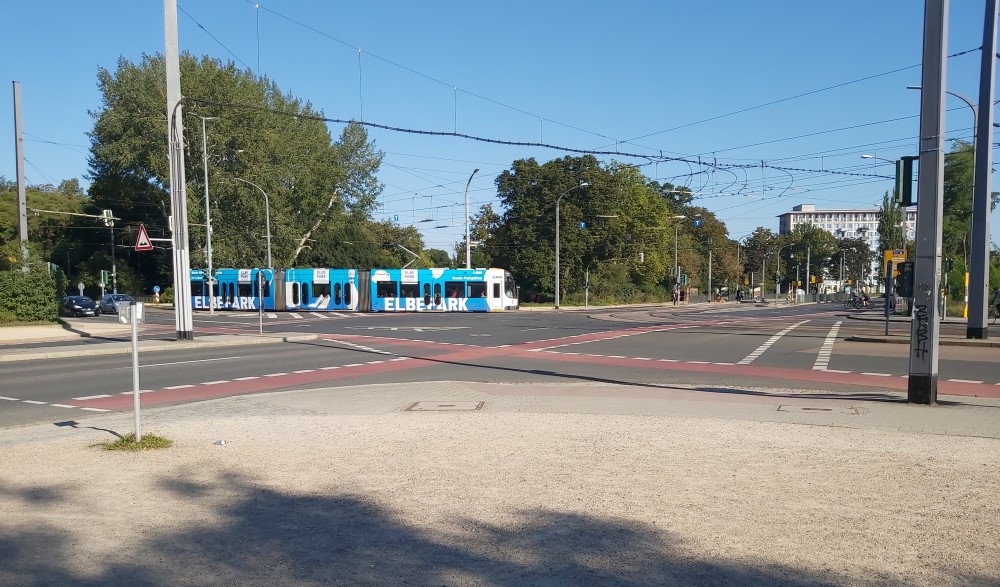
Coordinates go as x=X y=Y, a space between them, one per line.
x=26 y=296
x=259 y=133
x=128 y=443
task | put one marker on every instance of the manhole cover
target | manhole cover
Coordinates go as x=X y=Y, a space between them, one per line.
x=445 y=407
x=850 y=410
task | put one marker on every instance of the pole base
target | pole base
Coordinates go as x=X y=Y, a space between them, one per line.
x=977 y=333
x=922 y=389
x=185 y=335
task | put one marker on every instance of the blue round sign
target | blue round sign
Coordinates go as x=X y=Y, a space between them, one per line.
x=156 y=289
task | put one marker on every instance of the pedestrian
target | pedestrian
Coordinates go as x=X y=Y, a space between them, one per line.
x=739 y=295
x=676 y=296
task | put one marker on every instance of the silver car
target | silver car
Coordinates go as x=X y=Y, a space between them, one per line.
x=108 y=301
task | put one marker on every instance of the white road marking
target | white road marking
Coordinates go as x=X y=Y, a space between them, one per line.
x=216 y=382
x=318 y=315
x=192 y=361
x=275 y=374
x=964 y=381
x=304 y=371
x=329 y=368
x=353 y=365
x=86 y=397
x=10 y=399
x=760 y=350
x=31 y=401
x=272 y=315
x=95 y=409
x=826 y=351
x=61 y=406
x=878 y=374
x=294 y=315
x=247 y=378
x=185 y=386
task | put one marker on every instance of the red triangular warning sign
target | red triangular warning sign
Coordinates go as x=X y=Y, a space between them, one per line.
x=143 y=243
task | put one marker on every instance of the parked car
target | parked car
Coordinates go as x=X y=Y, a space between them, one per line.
x=107 y=303
x=80 y=306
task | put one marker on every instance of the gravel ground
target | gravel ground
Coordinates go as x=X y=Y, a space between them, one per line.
x=296 y=497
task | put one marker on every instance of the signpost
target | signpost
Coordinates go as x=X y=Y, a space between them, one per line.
x=133 y=314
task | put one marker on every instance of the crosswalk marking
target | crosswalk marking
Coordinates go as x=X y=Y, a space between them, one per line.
x=760 y=350
x=823 y=358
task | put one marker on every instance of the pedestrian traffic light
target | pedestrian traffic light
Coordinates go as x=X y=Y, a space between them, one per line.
x=104 y=277
x=904 y=181
x=904 y=281
x=949 y=264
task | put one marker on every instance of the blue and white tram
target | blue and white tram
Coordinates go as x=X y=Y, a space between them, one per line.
x=441 y=290
x=278 y=289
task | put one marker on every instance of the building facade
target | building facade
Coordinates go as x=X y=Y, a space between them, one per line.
x=843 y=223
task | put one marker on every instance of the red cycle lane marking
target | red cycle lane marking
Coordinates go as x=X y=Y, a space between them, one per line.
x=527 y=350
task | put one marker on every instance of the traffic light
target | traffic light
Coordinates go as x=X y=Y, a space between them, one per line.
x=104 y=277
x=904 y=281
x=948 y=265
x=109 y=218
x=904 y=181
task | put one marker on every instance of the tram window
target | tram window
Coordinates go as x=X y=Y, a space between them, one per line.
x=198 y=289
x=496 y=290
x=305 y=293
x=437 y=293
x=245 y=290
x=409 y=290
x=232 y=292
x=322 y=289
x=454 y=289
x=427 y=293
x=386 y=289
x=295 y=294
x=267 y=289
x=336 y=293
x=477 y=290
x=347 y=294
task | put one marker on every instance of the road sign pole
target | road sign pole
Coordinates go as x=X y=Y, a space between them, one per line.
x=888 y=292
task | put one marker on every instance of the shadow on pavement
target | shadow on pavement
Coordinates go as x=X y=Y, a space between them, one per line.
x=259 y=536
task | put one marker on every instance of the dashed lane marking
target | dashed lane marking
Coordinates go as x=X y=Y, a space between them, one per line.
x=35 y=402
x=86 y=397
x=878 y=374
x=965 y=381
x=10 y=399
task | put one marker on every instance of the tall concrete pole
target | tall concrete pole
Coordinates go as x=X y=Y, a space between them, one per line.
x=468 y=229
x=925 y=329
x=979 y=266
x=178 y=198
x=22 y=203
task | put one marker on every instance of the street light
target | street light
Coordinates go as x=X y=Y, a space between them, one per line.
x=468 y=229
x=208 y=217
x=267 y=218
x=582 y=184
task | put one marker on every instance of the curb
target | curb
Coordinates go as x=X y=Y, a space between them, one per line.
x=126 y=348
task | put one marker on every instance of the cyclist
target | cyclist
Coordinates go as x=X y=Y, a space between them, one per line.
x=996 y=302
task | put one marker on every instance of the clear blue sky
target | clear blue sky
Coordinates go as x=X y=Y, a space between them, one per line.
x=686 y=78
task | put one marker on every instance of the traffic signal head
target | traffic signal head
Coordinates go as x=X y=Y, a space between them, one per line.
x=904 y=181
x=904 y=281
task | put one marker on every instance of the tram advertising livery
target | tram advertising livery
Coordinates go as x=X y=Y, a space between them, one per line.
x=377 y=290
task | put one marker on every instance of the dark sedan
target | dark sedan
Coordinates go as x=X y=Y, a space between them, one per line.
x=80 y=306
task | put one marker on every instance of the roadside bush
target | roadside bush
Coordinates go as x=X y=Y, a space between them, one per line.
x=28 y=297
x=167 y=296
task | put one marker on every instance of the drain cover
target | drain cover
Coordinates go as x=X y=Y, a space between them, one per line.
x=445 y=407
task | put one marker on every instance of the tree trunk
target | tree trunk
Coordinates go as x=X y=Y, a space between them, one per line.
x=305 y=237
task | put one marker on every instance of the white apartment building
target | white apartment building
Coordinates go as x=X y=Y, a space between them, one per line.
x=842 y=223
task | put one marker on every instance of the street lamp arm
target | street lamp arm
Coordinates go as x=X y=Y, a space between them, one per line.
x=267 y=218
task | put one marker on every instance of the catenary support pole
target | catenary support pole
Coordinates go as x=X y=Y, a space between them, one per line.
x=925 y=329
x=979 y=266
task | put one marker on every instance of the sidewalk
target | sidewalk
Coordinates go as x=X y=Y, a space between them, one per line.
x=451 y=483
x=945 y=339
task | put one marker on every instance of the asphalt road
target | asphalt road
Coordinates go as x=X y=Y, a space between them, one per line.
x=801 y=347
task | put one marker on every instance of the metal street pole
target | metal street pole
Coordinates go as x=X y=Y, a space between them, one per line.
x=468 y=229
x=711 y=290
x=267 y=218
x=808 y=269
x=677 y=276
x=114 y=263
x=979 y=262
x=208 y=217
x=582 y=184
x=22 y=206
x=925 y=329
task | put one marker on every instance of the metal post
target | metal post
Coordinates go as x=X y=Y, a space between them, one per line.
x=557 y=251
x=808 y=268
x=888 y=290
x=711 y=290
x=677 y=275
x=175 y=133
x=208 y=217
x=22 y=206
x=114 y=262
x=468 y=229
x=133 y=318
x=979 y=266
x=924 y=329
